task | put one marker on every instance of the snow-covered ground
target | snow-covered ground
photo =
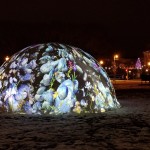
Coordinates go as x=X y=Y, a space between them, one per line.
x=125 y=128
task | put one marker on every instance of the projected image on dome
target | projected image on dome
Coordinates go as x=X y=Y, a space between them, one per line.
x=54 y=78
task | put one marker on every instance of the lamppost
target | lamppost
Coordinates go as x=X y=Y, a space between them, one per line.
x=148 y=64
x=116 y=57
x=101 y=62
x=7 y=58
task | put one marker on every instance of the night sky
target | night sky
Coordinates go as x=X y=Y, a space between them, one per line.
x=101 y=28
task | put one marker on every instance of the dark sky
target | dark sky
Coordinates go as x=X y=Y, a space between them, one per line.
x=99 y=27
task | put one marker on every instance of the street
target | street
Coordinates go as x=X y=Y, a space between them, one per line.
x=130 y=84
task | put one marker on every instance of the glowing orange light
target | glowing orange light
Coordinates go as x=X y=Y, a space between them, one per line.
x=116 y=56
x=101 y=62
x=7 y=58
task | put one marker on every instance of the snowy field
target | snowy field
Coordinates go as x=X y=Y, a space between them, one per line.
x=127 y=128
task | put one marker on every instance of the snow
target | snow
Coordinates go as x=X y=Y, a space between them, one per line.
x=124 y=128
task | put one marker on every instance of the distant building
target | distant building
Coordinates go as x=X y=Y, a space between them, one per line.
x=146 y=57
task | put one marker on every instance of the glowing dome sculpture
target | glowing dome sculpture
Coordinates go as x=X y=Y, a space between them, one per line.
x=53 y=78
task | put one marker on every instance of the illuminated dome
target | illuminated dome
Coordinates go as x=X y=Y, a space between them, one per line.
x=54 y=78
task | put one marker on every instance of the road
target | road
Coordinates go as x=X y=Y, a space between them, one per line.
x=130 y=84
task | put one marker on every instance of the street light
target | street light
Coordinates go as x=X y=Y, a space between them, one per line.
x=101 y=62
x=116 y=57
x=7 y=58
x=148 y=64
